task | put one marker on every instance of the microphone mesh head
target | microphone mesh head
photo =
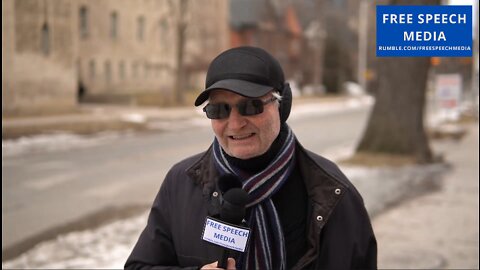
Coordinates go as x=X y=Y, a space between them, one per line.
x=233 y=206
x=227 y=182
x=236 y=196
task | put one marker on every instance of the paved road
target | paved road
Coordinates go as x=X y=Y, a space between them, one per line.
x=47 y=192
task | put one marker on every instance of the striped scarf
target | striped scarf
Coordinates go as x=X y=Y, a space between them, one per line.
x=266 y=247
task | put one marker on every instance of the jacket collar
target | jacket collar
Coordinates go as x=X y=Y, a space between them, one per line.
x=323 y=186
x=323 y=182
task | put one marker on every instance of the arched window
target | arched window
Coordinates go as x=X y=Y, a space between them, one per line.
x=114 y=25
x=135 y=69
x=83 y=16
x=108 y=71
x=146 y=68
x=92 y=69
x=140 y=28
x=45 y=39
x=121 y=70
x=163 y=28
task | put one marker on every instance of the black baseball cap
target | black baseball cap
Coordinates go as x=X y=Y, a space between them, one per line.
x=247 y=71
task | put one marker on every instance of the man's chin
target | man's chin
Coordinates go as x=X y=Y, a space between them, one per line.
x=245 y=154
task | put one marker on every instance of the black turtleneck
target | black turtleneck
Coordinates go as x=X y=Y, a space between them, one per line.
x=290 y=200
x=256 y=164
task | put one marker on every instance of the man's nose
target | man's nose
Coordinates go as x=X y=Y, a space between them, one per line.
x=236 y=120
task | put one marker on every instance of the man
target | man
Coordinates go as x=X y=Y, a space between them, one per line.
x=303 y=213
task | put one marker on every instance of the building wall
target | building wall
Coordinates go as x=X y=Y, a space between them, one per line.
x=207 y=36
x=7 y=54
x=139 y=58
x=57 y=53
x=37 y=70
x=146 y=63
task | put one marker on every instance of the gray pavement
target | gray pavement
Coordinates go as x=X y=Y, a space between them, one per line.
x=440 y=229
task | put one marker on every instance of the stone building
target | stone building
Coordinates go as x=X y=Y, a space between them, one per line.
x=126 y=48
x=59 y=53
x=38 y=52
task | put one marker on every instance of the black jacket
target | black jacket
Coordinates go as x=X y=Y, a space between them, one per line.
x=340 y=235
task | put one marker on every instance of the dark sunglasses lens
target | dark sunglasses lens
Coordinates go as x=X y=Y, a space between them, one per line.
x=250 y=107
x=245 y=108
x=217 y=111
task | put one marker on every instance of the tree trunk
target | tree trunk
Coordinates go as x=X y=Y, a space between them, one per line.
x=396 y=122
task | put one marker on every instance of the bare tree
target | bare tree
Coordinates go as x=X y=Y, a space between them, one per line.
x=396 y=123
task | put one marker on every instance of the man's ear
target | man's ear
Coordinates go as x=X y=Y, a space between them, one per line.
x=286 y=102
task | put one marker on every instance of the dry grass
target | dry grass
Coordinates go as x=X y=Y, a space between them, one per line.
x=379 y=160
x=165 y=100
x=85 y=128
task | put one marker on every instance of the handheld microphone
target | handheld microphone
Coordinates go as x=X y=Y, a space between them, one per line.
x=227 y=182
x=232 y=209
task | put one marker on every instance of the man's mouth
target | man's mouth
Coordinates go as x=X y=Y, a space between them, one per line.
x=241 y=137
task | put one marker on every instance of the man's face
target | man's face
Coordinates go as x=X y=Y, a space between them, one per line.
x=241 y=136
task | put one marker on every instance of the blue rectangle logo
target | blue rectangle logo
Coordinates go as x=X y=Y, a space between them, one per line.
x=406 y=31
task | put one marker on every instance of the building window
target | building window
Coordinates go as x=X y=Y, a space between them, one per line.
x=45 y=39
x=83 y=22
x=140 y=28
x=121 y=70
x=114 y=25
x=135 y=68
x=147 y=70
x=79 y=69
x=91 y=68
x=108 y=71
x=163 y=27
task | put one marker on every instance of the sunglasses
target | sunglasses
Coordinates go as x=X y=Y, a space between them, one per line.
x=247 y=107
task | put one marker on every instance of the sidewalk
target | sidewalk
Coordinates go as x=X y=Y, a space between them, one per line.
x=438 y=230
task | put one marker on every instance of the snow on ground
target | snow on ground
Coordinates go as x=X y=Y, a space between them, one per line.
x=105 y=247
x=55 y=142
x=109 y=246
